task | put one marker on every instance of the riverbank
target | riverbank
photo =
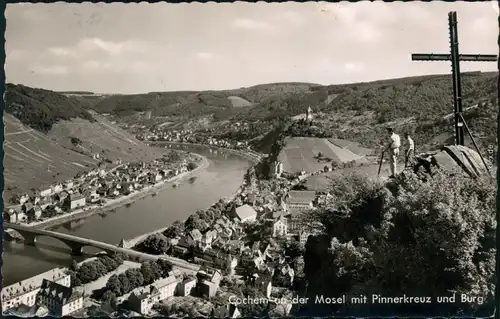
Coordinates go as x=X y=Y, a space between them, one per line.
x=118 y=202
x=250 y=155
x=132 y=242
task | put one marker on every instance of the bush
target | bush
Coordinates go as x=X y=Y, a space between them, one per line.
x=413 y=237
x=155 y=244
x=133 y=278
x=94 y=269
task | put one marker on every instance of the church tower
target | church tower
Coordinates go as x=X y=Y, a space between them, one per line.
x=309 y=114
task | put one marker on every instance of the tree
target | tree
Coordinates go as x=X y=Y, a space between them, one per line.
x=135 y=278
x=194 y=222
x=109 y=298
x=114 y=285
x=175 y=230
x=427 y=237
x=164 y=266
x=191 y=166
x=125 y=283
x=75 y=280
x=88 y=272
x=147 y=273
x=154 y=244
x=74 y=266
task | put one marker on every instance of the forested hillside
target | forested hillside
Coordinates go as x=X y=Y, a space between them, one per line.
x=358 y=111
x=50 y=137
x=41 y=109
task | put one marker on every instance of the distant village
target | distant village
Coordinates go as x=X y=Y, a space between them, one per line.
x=189 y=136
x=93 y=189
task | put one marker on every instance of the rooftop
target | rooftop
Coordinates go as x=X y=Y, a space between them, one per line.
x=164 y=282
x=54 y=290
x=32 y=283
x=301 y=197
x=245 y=211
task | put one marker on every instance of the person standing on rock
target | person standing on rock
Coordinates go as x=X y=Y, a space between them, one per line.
x=393 y=149
x=410 y=149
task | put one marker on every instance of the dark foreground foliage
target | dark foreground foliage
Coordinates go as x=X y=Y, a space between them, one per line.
x=420 y=238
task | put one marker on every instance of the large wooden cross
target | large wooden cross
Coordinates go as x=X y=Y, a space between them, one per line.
x=455 y=59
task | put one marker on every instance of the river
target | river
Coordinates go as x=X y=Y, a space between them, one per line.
x=222 y=178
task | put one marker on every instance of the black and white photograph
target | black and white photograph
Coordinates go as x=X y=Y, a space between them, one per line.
x=232 y=160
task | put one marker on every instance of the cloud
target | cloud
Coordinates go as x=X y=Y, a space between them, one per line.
x=62 y=52
x=354 y=67
x=204 y=55
x=116 y=66
x=93 y=66
x=250 y=24
x=96 y=44
x=50 y=70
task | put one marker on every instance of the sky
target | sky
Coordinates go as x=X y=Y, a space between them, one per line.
x=135 y=48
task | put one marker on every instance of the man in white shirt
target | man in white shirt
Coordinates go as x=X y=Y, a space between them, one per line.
x=410 y=151
x=393 y=149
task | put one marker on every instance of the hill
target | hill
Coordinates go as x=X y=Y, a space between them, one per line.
x=50 y=137
x=190 y=104
x=312 y=154
x=357 y=112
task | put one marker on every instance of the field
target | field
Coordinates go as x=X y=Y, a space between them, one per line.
x=34 y=159
x=238 y=101
x=301 y=153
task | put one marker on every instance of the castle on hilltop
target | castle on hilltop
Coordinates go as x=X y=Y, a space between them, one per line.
x=309 y=114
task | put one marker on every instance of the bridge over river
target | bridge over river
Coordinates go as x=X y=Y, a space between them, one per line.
x=76 y=244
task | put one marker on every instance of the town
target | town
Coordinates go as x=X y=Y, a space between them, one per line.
x=248 y=246
x=98 y=189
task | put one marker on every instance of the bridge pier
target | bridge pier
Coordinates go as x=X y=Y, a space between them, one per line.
x=29 y=240
x=76 y=250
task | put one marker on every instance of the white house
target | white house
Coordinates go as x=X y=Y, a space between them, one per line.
x=58 y=188
x=276 y=168
x=301 y=199
x=60 y=300
x=23 y=199
x=143 y=299
x=245 y=213
x=166 y=286
x=25 y=292
x=76 y=200
x=186 y=286
x=68 y=184
x=11 y=215
x=280 y=226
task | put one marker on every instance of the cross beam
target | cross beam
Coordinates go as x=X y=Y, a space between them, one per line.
x=447 y=57
x=455 y=59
